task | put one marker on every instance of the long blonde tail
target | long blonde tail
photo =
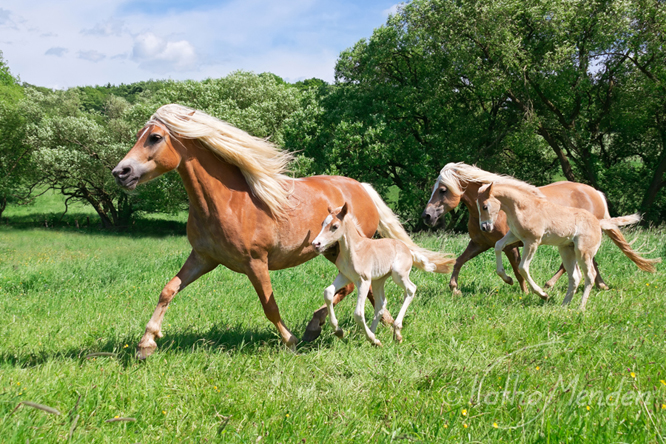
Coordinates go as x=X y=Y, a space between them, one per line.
x=390 y=227
x=610 y=227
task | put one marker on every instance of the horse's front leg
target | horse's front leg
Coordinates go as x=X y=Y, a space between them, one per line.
x=261 y=280
x=195 y=266
x=359 y=313
x=508 y=239
x=513 y=254
x=529 y=250
x=329 y=294
x=473 y=249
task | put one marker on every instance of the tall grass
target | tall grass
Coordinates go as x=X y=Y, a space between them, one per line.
x=493 y=365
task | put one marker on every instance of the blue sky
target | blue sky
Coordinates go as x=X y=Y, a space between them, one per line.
x=73 y=42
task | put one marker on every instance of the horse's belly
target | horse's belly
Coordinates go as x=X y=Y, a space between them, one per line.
x=557 y=239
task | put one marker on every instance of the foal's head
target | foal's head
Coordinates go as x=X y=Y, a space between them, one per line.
x=151 y=156
x=331 y=229
x=489 y=207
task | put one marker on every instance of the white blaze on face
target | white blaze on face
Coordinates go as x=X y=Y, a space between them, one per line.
x=324 y=224
x=482 y=221
x=435 y=188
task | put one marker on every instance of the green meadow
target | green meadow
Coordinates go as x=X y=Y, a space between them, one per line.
x=492 y=365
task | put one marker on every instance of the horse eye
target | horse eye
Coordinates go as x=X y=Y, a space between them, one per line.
x=334 y=227
x=485 y=207
x=442 y=190
x=155 y=138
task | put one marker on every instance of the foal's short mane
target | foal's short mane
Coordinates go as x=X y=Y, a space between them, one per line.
x=262 y=164
x=455 y=175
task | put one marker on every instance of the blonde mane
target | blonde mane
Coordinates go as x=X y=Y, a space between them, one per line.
x=455 y=176
x=262 y=164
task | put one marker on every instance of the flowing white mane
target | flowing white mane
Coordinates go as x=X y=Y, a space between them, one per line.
x=455 y=176
x=263 y=164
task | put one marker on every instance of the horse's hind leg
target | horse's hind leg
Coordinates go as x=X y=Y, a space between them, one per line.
x=193 y=268
x=586 y=264
x=261 y=281
x=599 y=281
x=508 y=239
x=569 y=264
x=380 y=302
x=551 y=282
x=340 y=282
x=402 y=279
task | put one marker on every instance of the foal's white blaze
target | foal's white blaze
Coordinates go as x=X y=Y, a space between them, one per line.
x=327 y=221
x=439 y=178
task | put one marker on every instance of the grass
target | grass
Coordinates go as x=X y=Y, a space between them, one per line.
x=493 y=365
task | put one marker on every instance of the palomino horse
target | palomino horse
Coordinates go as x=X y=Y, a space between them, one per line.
x=244 y=212
x=367 y=263
x=535 y=220
x=460 y=182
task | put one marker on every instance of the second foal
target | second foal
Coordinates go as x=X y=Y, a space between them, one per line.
x=366 y=263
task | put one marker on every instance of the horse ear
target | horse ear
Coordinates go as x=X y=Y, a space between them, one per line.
x=343 y=211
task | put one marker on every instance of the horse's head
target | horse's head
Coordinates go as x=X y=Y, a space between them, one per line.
x=489 y=207
x=442 y=200
x=331 y=229
x=152 y=155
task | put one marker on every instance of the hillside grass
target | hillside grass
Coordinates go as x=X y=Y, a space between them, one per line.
x=493 y=365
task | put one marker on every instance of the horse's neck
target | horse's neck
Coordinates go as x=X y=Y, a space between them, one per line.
x=208 y=179
x=469 y=197
x=349 y=243
x=512 y=199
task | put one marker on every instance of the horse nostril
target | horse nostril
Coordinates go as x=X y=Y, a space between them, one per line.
x=122 y=173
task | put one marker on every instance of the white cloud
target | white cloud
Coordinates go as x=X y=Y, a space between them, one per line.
x=92 y=56
x=56 y=51
x=109 y=28
x=5 y=19
x=159 y=55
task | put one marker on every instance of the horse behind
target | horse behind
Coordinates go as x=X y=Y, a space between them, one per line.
x=245 y=212
x=367 y=263
x=534 y=220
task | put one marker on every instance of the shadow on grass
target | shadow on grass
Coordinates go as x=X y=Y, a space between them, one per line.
x=91 y=225
x=219 y=338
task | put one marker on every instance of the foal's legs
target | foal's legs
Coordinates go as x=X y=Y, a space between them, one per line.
x=261 y=280
x=508 y=239
x=329 y=294
x=586 y=264
x=193 y=268
x=569 y=264
x=473 y=249
x=359 y=313
x=529 y=249
x=598 y=281
x=551 y=282
x=380 y=302
x=514 y=259
x=402 y=279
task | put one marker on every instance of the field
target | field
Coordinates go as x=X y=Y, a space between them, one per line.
x=493 y=365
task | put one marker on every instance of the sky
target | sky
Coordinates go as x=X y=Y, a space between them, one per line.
x=65 y=43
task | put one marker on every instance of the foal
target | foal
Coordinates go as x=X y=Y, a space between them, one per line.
x=534 y=220
x=366 y=263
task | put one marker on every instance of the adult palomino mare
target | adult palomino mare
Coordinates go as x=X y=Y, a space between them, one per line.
x=535 y=220
x=245 y=213
x=366 y=263
x=459 y=182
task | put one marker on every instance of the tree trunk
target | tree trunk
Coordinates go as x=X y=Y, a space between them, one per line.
x=3 y=205
x=657 y=182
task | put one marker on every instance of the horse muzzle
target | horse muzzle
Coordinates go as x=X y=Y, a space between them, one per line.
x=431 y=215
x=486 y=226
x=126 y=175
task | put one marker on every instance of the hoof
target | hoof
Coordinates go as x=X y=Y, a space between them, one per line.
x=544 y=296
x=377 y=343
x=549 y=285
x=397 y=337
x=145 y=350
x=456 y=292
x=602 y=286
x=387 y=319
x=506 y=278
x=291 y=343
x=339 y=333
x=312 y=331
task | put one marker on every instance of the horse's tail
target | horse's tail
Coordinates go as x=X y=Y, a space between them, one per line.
x=610 y=227
x=390 y=227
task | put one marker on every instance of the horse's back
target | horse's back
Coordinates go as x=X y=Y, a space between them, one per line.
x=576 y=195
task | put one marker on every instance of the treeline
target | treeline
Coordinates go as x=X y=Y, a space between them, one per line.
x=543 y=90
